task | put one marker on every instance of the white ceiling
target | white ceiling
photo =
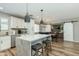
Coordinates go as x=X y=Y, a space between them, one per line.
x=53 y=12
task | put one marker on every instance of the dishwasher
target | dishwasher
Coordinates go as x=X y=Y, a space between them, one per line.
x=13 y=40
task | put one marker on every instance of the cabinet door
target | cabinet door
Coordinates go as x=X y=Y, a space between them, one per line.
x=36 y=28
x=42 y=28
x=13 y=22
x=17 y=22
x=1 y=44
x=48 y=28
x=20 y=23
x=5 y=43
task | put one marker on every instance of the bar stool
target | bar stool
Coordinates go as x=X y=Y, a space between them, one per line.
x=36 y=48
x=47 y=46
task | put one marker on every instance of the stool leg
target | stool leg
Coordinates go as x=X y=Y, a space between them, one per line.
x=50 y=47
x=31 y=53
x=42 y=51
x=37 y=53
x=47 y=49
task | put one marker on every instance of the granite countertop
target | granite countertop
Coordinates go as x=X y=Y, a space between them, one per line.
x=3 y=35
x=33 y=37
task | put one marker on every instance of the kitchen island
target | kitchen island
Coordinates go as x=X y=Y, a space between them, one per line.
x=24 y=43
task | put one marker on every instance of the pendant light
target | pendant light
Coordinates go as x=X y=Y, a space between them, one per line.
x=41 y=22
x=27 y=16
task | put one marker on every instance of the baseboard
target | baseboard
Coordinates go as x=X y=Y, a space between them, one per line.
x=76 y=41
x=68 y=41
x=71 y=41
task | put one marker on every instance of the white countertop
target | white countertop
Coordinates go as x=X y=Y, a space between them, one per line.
x=33 y=37
x=3 y=35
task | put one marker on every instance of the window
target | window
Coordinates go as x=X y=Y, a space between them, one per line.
x=3 y=24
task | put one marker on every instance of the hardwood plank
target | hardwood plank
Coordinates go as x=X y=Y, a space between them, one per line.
x=58 y=49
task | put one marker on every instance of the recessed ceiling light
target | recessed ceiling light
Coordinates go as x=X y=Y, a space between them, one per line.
x=1 y=8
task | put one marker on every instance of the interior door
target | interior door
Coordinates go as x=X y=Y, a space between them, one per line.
x=68 y=31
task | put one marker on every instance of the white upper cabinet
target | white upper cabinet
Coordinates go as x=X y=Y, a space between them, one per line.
x=45 y=28
x=48 y=28
x=36 y=28
x=17 y=22
x=13 y=22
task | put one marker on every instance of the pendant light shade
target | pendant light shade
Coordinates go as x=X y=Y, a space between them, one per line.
x=27 y=16
x=41 y=22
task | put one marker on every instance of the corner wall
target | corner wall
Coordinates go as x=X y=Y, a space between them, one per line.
x=76 y=31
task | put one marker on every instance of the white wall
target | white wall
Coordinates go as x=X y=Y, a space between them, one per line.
x=76 y=31
x=68 y=32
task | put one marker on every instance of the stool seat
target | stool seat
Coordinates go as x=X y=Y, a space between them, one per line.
x=47 y=46
x=36 y=46
x=46 y=41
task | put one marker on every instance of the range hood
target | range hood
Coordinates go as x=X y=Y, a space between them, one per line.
x=19 y=28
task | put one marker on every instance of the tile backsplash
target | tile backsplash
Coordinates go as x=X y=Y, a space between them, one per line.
x=3 y=33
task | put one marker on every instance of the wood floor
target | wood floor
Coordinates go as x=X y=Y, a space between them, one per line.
x=9 y=52
x=58 y=49
x=65 y=49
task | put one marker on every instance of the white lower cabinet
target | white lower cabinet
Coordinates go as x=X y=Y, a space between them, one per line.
x=5 y=43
